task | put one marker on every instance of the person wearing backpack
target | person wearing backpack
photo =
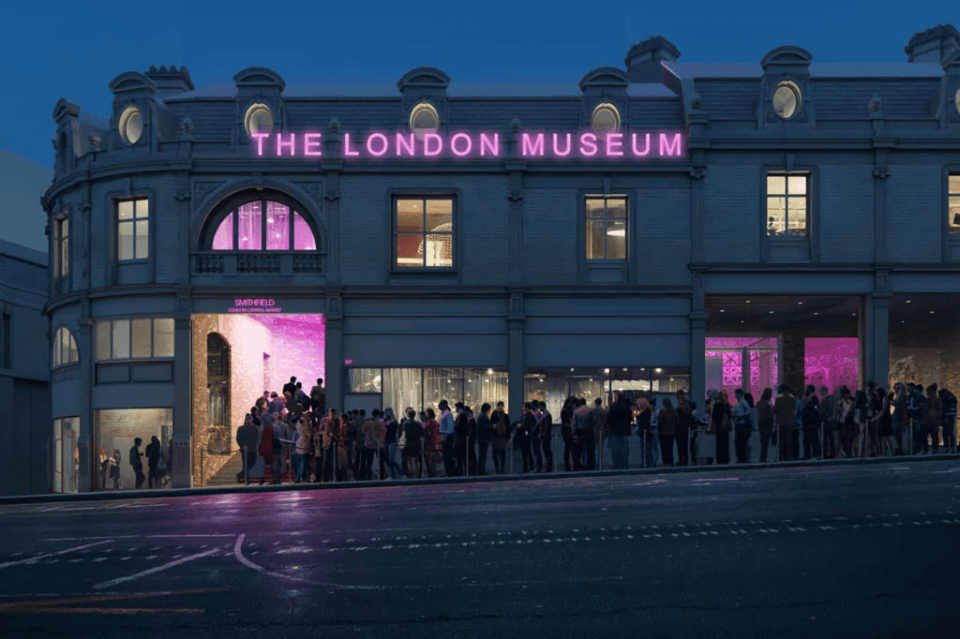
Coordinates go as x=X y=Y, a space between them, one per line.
x=584 y=420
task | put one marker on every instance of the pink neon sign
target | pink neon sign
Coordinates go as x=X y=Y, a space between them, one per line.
x=254 y=305
x=461 y=144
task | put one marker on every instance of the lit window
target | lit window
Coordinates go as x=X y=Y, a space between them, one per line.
x=423 y=231
x=258 y=119
x=139 y=338
x=606 y=225
x=133 y=229
x=424 y=119
x=786 y=99
x=61 y=249
x=953 y=203
x=131 y=125
x=64 y=348
x=605 y=118
x=956 y=100
x=788 y=197
x=248 y=224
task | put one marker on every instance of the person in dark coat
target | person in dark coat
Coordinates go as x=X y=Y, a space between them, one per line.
x=618 y=421
x=484 y=437
x=545 y=432
x=521 y=439
x=247 y=441
x=153 y=452
x=136 y=461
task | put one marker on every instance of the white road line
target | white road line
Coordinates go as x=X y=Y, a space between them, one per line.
x=150 y=571
x=238 y=553
x=52 y=554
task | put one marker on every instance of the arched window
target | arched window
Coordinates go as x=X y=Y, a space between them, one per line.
x=64 y=348
x=262 y=225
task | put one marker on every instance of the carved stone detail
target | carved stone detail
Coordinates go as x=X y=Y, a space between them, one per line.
x=200 y=189
x=312 y=189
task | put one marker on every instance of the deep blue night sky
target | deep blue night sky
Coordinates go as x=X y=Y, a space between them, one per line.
x=59 y=49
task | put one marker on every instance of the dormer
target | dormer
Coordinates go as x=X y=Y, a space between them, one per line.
x=170 y=81
x=423 y=99
x=605 y=103
x=134 y=101
x=785 y=95
x=645 y=60
x=66 y=142
x=259 y=104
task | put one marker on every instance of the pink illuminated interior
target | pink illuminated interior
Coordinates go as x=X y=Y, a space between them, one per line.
x=294 y=345
x=725 y=367
x=832 y=362
x=278 y=230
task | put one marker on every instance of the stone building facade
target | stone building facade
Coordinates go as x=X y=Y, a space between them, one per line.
x=701 y=226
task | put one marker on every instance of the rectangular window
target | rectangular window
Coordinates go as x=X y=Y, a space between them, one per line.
x=788 y=204
x=134 y=338
x=423 y=232
x=953 y=203
x=133 y=229
x=61 y=249
x=606 y=226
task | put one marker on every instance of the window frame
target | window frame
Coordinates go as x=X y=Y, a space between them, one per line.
x=952 y=172
x=786 y=196
x=58 y=359
x=61 y=246
x=455 y=236
x=133 y=221
x=232 y=206
x=809 y=241
x=110 y=339
x=606 y=219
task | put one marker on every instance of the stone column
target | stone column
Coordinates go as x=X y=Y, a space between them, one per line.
x=874 y=339
x=515 y=360
x=181 y=457
x=333 y=346
x=698 y=358
x=87 y=378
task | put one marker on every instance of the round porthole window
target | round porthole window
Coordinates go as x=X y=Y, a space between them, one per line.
x=131 y=125
x=259 y=119
x=956 y=100
x=786 y=100
x=424 y=119
x=605 y=118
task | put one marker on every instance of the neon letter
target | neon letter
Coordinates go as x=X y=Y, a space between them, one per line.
x=453 y=144
x=259 y=137
x=614 y=142
x=281 y=144
x=637 y=152
x=588 y=141
x=665 y=149
x=346 y=147
x=379 y=136
x=566 y=151
x=531 y=148
x=493 y=145
x=427 y=137
x=405 y=143
x=311 y=144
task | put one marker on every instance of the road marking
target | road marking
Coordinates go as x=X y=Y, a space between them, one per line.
x=151 y=571
x=52 y=554
x=238 y=553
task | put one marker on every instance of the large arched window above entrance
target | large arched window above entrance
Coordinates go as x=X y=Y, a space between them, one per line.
x=270 y=222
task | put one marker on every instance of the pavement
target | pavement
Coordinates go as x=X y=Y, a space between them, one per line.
x=818 y=549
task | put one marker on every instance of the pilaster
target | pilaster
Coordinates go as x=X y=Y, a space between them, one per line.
x=181 y=462
x=86 y=349
x=515 y=359
x=875 y=336
x=334 y=365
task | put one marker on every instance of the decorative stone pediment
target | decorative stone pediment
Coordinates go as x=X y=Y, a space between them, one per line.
x=787 y=60
x=424 y=77
x=605 y=78
x=64 y=109
x=259 y=78
x=132 y=81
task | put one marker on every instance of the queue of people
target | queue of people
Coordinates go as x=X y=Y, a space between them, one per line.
x=323 y=446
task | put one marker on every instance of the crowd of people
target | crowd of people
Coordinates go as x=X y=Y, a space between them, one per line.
x=322 y=445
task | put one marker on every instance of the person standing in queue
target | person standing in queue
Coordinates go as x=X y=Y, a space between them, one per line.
x=449 y=438
x=484 y=437
x=521 y=438
x=545 y=432
x=501 y=438
x=566 y=432
x=136 y=461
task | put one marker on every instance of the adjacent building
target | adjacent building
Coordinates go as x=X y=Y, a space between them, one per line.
x=661 y=226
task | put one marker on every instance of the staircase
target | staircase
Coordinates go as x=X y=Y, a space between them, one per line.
x=227 y=476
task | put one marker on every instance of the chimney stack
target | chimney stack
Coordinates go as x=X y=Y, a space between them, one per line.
x=643 y=60
x=170 y=81
x=935 y=45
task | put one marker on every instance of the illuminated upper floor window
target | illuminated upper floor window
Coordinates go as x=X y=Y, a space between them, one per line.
x=953 y=202
x=788 y=204
x=606 y=224
x=133 y=230
x=138 y=338
x=264 y=225
x=423 y=232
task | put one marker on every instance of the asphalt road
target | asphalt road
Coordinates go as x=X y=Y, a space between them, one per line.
x=832 y=551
